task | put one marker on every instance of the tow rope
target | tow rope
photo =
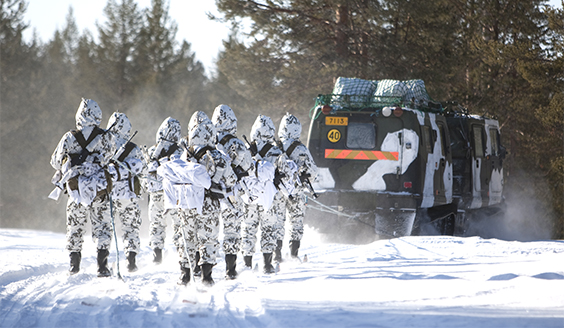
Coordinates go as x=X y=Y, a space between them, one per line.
x=327 y=209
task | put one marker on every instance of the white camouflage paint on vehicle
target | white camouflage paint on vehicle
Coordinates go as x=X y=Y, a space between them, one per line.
x=373 y=179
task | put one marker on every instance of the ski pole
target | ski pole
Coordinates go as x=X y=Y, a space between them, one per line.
x=185 y=247
x=115 y=234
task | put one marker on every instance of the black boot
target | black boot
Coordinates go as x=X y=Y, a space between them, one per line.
x=230 y=264
x=75 y=262
x=268 y=268
x=131 y=267
x=184 y=276
x=197 y=268
x=248 y=261
x=294 y=246
x=103 y=270
x=278 y=251
x=157 y=255
x=207 y=274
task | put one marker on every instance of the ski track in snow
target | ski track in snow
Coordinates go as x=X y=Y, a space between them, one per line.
x=403 y=282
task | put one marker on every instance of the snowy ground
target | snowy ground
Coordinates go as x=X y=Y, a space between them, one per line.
x=405 y=282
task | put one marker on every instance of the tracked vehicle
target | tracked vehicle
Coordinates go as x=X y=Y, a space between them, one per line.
x=397 y=163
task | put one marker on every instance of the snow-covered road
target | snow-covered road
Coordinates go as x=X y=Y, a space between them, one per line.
x=405 y=282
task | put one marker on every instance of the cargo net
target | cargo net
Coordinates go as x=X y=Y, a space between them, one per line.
x=357 y=94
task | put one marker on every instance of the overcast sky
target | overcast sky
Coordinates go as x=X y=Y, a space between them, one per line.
x=205 y=36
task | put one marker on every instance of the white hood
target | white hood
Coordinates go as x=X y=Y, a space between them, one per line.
x=122 y=127
x=224 y=120
x=88 y=114
x=290 y=128
x=169 y=130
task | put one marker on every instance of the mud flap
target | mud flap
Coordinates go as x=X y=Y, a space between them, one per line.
x=394 y=224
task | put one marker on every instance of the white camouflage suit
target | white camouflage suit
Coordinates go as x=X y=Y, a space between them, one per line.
x=166 y=148
x=88 y=183
x=201 y=230
x=289 y=134
x=262 y=134
x=225 y=124
x=126 y=164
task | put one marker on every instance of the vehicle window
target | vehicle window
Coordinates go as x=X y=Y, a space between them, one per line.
x=361 y=136
x=494 y=144
x=478 y=141
x=427 y=138
x=457 y=142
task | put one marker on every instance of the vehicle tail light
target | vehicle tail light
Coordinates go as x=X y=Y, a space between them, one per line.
x=407 y=184
x=398 y=111
x=326 y=109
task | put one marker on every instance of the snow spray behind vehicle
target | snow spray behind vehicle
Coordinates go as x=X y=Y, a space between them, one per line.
x=392 y=159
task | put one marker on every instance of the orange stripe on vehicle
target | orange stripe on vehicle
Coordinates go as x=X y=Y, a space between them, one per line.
x=343 y=154
x=370 y=155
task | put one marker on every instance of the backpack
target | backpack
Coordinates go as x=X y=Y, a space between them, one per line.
x=134 y=183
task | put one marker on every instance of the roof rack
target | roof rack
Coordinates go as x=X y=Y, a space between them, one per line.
x=349 y=103
x=356 y=102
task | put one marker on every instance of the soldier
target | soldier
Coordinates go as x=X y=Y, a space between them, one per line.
x=232 y=209
x=165 y=149
x=126 y=165
x=289 y=134
x=80 y=158
x=264 y=148
x=201 y=229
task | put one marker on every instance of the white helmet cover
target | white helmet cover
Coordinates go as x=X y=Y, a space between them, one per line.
x=88 y=114
x=169 y=130
x=197 y=118
x=224 y=119
x=290 y=127
x=263 y=129
x=202 y=134
x=122 y=127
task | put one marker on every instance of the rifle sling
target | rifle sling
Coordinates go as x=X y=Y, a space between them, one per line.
x=226 y=139
x=293 y=146
x=200 y=153
x=265 y=149
x=169 y=152
x=80 y=137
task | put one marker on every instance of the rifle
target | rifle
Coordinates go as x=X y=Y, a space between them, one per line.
x=119 y=151
x=252 y=146
x=309 y=187
x=122 y=165
x=158 y=149
x=247 y=190
x=279 y=184
x=240 y=173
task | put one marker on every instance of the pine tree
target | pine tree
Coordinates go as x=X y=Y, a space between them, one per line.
x=296 y=49
x=119 y=37
x=169 y=72
x=20 y=102
x=542 y=142
x=169 y=79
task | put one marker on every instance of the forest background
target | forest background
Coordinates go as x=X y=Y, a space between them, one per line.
x=503 y=58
